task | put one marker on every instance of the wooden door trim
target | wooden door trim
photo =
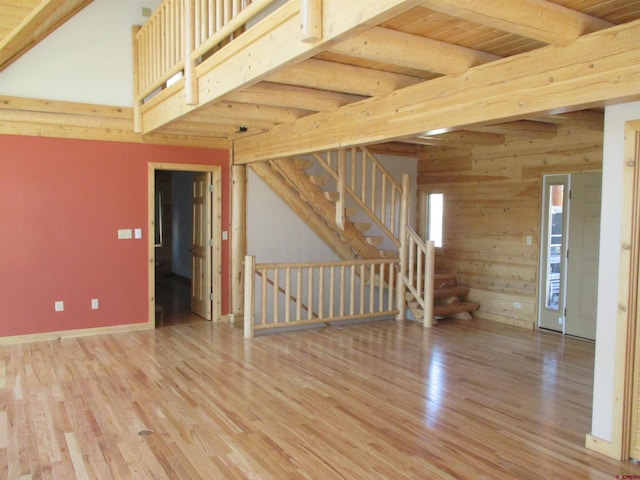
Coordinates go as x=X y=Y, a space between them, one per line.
x=626 y=319
x=216 y=231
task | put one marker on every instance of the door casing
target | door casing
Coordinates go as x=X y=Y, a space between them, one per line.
x=216 y=233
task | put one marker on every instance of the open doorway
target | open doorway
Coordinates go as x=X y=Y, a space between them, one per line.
x=185 y=252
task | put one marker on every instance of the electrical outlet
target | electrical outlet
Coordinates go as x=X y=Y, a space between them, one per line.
x=59 y=306
x=517 y=305
x=95 y=304
x=560 y=320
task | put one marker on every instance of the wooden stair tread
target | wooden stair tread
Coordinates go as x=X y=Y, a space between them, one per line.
x=450 y=292
x=362 y=226
x=389 y=253
x=319 y=180
x=303 y=163
x=375 y=241
x=452 y=308
x=332 y=196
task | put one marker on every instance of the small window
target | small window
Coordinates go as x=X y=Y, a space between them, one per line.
x=435 y=203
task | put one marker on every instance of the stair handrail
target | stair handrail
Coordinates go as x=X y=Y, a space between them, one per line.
x=419 y=272
x=365 y=195
x=177 y=36
x=342 y=290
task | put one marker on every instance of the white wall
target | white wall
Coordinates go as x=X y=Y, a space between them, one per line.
x=87 y=60
x=610 y=236
x=275 y=233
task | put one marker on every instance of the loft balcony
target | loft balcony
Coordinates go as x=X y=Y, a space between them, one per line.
x=280 y=78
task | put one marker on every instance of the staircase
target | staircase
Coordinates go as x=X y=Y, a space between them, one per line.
x=358 y=209
x=449 y=300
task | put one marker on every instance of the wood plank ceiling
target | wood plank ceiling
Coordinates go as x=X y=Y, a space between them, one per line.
x=435 y=39
x=24 y=23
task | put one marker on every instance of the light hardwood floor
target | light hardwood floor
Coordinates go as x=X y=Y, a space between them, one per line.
x=386 y=399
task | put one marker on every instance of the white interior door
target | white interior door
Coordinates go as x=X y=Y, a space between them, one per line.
x=582 y=265
x=201 y=300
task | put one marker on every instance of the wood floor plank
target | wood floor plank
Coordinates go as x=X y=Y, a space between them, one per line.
x=464 y=400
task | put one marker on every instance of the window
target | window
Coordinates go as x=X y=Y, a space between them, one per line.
x=435 y=204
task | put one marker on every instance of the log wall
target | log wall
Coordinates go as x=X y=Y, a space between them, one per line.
x=492 y=204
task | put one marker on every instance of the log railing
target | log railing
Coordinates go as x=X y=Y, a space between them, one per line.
x=178 y=35
x=419 y=272
x=295 y=294
x=360 y=176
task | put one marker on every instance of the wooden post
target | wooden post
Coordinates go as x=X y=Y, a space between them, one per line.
x=238 y=239
x=190 y=80
x=402 y=251
x=249 y=295
x=137 y=114
x=311 y=20
x=340 y=204
x=429 y=278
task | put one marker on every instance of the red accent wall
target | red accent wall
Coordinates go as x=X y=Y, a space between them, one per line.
x=61 y=205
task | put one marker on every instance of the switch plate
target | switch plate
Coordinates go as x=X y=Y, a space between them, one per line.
x=95 y=304
x=59 y=306
x=529 y=240
x=125 y=234
x=137 y=233
x=517 y=305
x=225 y=235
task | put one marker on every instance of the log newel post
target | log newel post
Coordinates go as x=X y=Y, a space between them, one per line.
x=249 y=296
x=341 y=203
x=402 y=251
x=429 y=278
x=137 y=114
x=311 y=20
x=238 y=239
x=190 y=80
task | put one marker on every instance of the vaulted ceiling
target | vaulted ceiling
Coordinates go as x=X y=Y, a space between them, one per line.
x=24 y=23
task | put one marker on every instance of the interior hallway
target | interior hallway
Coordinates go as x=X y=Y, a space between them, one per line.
x=463 y=400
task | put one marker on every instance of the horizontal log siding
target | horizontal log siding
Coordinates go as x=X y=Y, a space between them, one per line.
x=492 y=203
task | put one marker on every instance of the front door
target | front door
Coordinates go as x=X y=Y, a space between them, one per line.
x=570 y=232
x=201 y=301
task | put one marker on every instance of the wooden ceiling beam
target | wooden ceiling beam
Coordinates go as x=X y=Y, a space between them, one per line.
x=521 y=128
x=587 y=119
x=290 y=96
x=232 y=112
x=541 y=20
x=596 y=69
x=267 y=48
x=338 y=77
x=44 y=19
x=460 y=138
x=413 y=51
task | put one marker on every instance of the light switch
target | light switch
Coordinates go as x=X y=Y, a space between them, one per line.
x=137 y=233
x=125 y=234
x=225 y=235
x=59 y=306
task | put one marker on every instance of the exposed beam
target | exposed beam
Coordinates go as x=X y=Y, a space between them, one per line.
x=521 y=128
x=232 y=112
x=266 y=48
x=595 y=69
x=338 y=77
x=460 y=138
x=413 y=51
x=538 y=19
x=290 y=96
x=588 y=119
x=44 y=19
